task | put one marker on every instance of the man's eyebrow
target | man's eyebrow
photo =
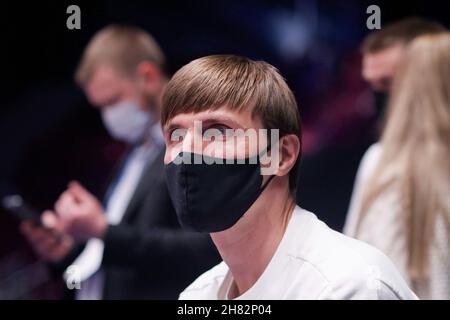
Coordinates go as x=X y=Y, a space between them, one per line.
x=206 y=120
x=171 y=126
x=211 y=119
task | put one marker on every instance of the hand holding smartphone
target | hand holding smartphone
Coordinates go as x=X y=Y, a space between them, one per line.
x=15 y=205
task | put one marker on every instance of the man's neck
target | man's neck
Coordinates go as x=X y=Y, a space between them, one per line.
x=248 y=246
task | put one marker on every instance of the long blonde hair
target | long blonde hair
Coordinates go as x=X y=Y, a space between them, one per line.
x=416 y=147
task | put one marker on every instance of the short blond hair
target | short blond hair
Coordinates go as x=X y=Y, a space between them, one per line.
x=212 y=82
x=121 y=47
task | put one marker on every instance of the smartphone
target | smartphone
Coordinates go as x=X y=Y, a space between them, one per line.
x=15 y=205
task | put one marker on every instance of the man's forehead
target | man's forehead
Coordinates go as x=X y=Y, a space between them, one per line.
x=242 y=117
x=105 y=76
x=104 y=83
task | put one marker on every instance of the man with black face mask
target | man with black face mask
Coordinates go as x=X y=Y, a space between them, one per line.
x=133 y=242
x=233 y=144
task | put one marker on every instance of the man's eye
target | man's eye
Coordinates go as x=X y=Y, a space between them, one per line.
x=217 y=132
x=177 y=135
x=223 y=130
x=112 y=101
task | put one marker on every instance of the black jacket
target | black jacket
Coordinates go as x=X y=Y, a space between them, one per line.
x=148 y=255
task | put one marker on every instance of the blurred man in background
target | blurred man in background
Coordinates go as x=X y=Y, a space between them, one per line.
x=384 y=50
x=130 y=245
x=347 y=108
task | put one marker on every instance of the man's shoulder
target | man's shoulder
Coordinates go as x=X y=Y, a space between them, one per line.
x=343 y=261
x=334 y=265
x=207 y=285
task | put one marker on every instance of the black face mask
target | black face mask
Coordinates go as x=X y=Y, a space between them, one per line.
x=213 y=197
x=381 y=100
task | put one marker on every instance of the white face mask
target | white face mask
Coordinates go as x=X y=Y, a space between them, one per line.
x=126 y=121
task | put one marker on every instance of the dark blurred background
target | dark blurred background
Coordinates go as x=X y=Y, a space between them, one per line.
x=49 y=134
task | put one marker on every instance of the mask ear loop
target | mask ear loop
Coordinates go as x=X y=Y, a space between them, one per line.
x=266 y=150
x=267 y=183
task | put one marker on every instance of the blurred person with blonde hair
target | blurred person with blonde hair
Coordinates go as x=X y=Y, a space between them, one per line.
x=401 y=200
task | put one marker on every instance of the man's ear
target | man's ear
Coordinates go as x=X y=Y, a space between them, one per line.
x=289 y=147
x=149 y=76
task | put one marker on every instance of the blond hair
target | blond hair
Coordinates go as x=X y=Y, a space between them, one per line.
x=416 y=147
x=121 y=47
x=212 y=82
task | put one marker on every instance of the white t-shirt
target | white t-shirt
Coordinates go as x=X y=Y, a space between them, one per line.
x=312 y=262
